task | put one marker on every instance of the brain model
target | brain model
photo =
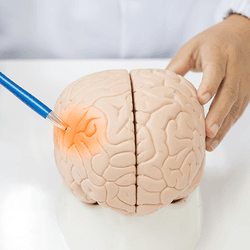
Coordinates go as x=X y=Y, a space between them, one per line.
x=134 y=142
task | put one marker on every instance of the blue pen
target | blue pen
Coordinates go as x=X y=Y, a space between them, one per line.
x=31 y=101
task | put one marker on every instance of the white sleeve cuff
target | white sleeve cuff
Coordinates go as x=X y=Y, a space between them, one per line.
x=241 y=7
x=236 y=6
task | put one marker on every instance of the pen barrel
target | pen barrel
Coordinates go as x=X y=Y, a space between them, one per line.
x=24 y=96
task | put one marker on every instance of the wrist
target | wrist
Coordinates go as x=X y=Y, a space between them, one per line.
x=240 y=25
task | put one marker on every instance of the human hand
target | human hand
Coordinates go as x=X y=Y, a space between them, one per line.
x=222 y=52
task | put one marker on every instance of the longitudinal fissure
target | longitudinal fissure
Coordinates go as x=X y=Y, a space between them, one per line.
x=134 y=118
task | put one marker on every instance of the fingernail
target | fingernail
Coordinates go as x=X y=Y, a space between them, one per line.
x=206 y=97
x=214 y=129
x=214 y=144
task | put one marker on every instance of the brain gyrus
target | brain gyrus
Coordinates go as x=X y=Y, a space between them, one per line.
x=86 y=131
x=135 y=142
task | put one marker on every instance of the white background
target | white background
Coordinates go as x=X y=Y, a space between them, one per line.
x=30 y=182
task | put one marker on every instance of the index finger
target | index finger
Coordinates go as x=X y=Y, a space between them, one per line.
x=214 y=63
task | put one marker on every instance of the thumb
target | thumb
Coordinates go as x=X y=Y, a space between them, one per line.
x=182 y=62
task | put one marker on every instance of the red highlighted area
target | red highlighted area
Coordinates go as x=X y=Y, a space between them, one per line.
x=86 y=131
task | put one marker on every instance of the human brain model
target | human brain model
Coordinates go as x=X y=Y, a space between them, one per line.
x=134 y=142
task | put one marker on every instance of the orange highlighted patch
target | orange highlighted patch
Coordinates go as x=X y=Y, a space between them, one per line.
x=86 y=131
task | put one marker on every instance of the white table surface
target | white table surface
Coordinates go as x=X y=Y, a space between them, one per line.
x=29 y=180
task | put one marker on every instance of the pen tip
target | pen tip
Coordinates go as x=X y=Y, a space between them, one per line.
x=52 y=117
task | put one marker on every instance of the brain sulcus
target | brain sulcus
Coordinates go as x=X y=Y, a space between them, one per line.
x=134 y=142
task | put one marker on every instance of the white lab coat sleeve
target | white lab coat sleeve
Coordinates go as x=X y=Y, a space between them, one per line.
x=226 y=5
x=223 y=8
